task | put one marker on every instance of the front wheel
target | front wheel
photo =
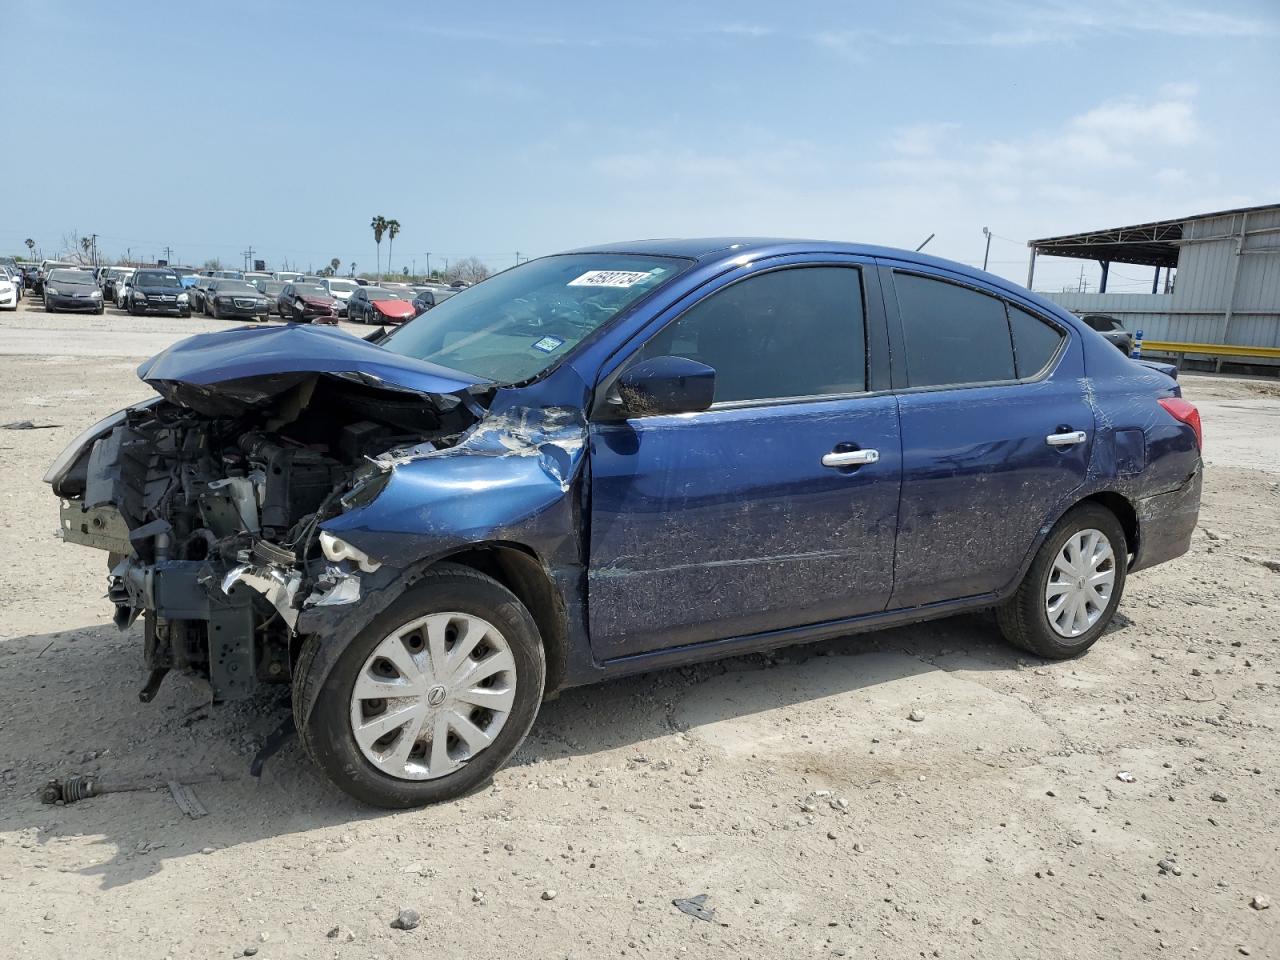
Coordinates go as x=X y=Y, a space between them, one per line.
x=431 y=698
x=1071 y=592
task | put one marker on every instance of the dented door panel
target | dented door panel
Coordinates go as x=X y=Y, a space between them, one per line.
x=726 y=523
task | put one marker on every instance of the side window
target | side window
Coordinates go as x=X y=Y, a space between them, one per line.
x=1034 y=341
x=798 y=332
x=953 y=335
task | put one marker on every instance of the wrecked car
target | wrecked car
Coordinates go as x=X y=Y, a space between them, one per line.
x=615 y=460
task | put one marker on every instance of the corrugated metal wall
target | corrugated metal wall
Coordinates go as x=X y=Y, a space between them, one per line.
x=1196 y=311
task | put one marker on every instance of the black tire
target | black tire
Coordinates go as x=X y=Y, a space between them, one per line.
x=326 y=733
x=213 y=311
x=1024 y=620
x=184 y=314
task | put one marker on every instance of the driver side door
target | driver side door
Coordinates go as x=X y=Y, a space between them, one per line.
x=777 y=506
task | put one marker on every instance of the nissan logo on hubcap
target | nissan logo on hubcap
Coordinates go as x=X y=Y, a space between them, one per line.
x=436 y=695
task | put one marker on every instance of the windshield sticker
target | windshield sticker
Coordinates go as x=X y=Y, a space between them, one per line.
x=609 y=278
x=548 y=344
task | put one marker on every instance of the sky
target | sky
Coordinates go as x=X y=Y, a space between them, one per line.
x=502 y=128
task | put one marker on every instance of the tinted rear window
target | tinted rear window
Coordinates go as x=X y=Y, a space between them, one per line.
x=954 y=335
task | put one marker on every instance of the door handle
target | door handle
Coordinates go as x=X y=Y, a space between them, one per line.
x=850 y=458
x=1070 y=438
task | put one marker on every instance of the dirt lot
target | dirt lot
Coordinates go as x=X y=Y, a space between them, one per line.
x=792 y=789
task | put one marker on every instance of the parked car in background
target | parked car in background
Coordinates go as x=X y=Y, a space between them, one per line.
x=10 y=289
x=226 y=299
x=68 y=288
x=46 y=267
x=113 y=279
x=341 y=290
x=377 y=305
x=197 y=292
x=254 y=276
x=825 y=438
x=227 y=275
x=430 y=297
x=1112 y=330
x=271 y=290
x=306 y=303
x=157 y=290
x=288 y=276
x=122 y=291
x=17 y=277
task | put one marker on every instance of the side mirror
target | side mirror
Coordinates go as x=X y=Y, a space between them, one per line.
x=664 y=385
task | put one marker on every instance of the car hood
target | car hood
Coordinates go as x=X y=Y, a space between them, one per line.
x=223 y=374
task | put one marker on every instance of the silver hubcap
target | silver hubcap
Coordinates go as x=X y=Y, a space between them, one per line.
x=432 y=695
x=1080 y=583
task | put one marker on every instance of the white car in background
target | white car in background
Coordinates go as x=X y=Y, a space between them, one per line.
x=10 y=292
x=341 y=290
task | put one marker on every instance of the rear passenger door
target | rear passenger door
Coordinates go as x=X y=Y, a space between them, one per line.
x=996 y=431
x=776 y=507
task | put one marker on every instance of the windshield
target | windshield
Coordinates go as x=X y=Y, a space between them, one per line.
x=310 y=290
x=271 y=287
x=71 y=276
x=341 y=286
x=377 y=293
x=514 y=325
x=235 y=286
x=156 y=280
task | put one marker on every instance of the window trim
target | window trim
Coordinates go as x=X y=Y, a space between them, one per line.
x=897 y=335
x=868 y=284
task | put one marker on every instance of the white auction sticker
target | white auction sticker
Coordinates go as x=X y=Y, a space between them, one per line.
x=609 y=278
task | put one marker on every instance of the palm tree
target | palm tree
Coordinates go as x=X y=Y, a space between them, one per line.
x=379 y=225
x=393 y=229
x=31 y=246
x=85 y=244
x=353 y=268
x=334 y=265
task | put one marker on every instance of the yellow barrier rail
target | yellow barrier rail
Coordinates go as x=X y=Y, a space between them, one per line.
x=1210 y=349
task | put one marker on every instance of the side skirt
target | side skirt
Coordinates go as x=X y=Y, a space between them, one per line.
x=754 y=643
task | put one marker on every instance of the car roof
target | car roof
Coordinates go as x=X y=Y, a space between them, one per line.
x=710 y=250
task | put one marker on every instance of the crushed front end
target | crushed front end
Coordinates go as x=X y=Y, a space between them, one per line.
x=208 y=501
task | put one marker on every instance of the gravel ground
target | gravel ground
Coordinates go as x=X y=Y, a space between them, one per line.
x=792 y=789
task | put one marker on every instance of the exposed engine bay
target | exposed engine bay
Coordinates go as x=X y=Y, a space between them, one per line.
x=209 y=502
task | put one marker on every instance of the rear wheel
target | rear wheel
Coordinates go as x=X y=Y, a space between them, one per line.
x=431 y=698
x=1071 y=592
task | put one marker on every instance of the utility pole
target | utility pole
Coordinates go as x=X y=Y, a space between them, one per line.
x=93 y=246
x=517 y=258
x=168 y=254
x=248 y=258
x=986 y=233
x=428 y=256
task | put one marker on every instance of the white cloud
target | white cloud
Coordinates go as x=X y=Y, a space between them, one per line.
x=1122 y=160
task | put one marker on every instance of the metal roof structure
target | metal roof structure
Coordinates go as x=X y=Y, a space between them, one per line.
x=1153 y=244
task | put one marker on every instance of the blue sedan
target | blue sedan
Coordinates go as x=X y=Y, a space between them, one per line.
x=614 y=460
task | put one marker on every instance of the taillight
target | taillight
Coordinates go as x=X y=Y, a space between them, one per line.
x=1185 y=412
